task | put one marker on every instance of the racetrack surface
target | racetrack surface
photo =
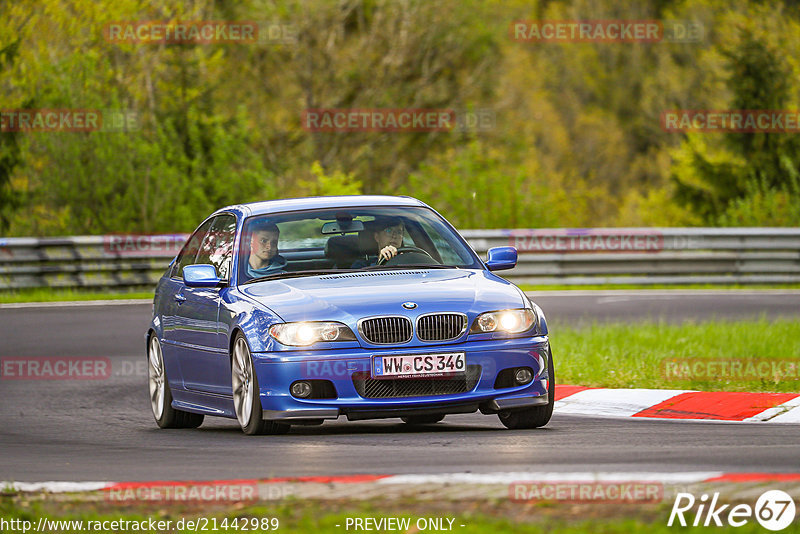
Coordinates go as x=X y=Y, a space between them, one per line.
x=103 y=429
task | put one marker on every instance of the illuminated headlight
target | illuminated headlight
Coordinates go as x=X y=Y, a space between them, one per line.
x=308 y=333
x=509 y=321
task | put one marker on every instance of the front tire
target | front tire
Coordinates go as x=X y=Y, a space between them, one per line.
x=537 y=416
x=160 y=395
x=246 y=398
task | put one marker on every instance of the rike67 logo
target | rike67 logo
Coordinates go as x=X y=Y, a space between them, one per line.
x=774 y=510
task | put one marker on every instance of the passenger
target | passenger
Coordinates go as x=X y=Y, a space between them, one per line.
x=388 y=235
x=264 y=258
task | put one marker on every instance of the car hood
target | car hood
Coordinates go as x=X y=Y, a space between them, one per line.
x=348 y=297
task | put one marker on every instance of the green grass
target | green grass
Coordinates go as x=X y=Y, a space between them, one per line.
x=323 y=516
x=61 y=295
x=623 y=355
x=603 y=287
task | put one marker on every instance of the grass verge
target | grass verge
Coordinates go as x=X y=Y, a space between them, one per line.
x=62 y=295
x=331 y=516
x=623 y=355
x=604 y=287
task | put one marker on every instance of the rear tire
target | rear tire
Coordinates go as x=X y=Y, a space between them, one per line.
x=160 y=395
x=246 y=397
x=537 y=416
x=414 y=420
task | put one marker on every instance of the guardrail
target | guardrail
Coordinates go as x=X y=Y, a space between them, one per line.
x=546 y=257
x=649 y=255
x=133 y=262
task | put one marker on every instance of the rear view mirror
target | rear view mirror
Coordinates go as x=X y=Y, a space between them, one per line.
x=342 y=226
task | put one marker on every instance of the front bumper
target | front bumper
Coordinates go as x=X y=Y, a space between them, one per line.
x=277 y=371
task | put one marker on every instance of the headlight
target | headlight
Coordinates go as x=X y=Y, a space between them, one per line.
x=509 y=321
x=308 y=333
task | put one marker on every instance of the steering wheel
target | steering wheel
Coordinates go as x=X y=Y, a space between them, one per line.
x=405 y=250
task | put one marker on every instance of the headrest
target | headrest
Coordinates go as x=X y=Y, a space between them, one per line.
x=350 y=247
x=343 y=248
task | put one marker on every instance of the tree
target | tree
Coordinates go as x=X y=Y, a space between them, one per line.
x=732 y=179
x=10 y=150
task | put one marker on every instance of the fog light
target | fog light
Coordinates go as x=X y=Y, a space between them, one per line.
x=523 y=375
x=301 y=389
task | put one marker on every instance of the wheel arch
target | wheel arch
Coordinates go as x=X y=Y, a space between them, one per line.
x=147 y=337
x=232 y=339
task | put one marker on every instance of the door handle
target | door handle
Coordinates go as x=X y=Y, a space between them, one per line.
x=180 y=298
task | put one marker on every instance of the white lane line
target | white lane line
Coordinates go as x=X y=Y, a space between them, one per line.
x=55 y=487
x=703 y=421
x=75 y=303
x=588 y=476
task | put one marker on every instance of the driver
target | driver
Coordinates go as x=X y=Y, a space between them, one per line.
x=264 y=258
x=388 y=234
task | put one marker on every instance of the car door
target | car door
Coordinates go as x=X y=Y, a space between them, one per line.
x=175 y=336
x=205 y=362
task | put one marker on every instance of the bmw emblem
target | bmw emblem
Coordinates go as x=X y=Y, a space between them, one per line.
x=409 y=305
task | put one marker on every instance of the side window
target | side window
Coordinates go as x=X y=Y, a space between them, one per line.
x=217 y=247
x=190 y=249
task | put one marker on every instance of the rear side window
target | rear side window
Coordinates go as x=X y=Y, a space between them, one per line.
x=190 y=249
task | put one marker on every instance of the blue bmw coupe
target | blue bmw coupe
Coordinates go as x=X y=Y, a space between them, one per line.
x=290 y=312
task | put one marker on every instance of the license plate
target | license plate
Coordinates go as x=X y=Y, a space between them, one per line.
x=419 y=365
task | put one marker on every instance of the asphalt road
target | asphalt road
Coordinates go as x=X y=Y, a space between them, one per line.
x=103 y=429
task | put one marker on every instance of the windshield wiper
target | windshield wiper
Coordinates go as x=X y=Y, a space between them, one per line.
x=297 y=274
x=410 y=266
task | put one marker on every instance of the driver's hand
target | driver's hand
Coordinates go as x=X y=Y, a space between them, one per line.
x=388 y=252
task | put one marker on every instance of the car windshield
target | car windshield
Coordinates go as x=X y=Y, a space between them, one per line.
x=322 y=241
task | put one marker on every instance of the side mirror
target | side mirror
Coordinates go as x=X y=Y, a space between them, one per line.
x=200 y=276
x=501 y=258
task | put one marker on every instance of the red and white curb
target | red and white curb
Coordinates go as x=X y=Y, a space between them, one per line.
x=679 y=404
x=433 y=486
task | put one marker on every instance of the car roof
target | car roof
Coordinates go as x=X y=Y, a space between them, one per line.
x=344 y=201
